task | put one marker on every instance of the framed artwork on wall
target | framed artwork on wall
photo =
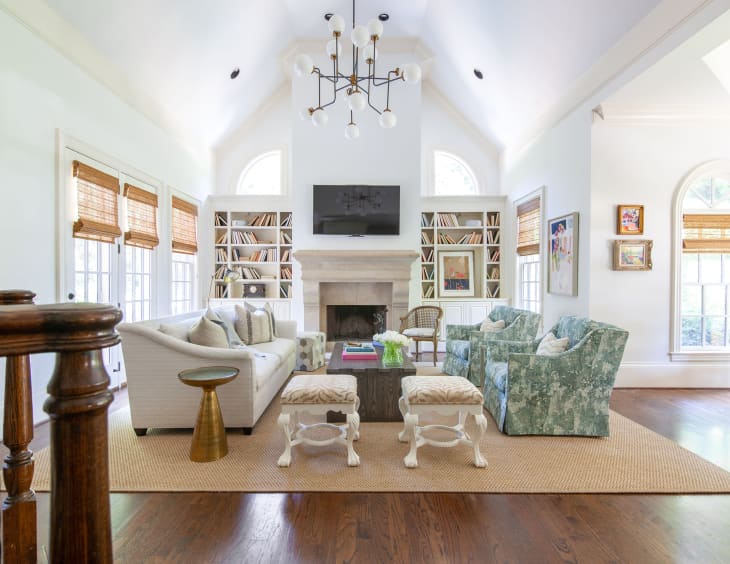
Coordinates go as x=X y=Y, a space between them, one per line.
x=632 y=254
x=630 y=219
x=456 y=273
x=563 y=245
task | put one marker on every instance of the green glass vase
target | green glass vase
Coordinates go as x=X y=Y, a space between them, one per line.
x=392 y=354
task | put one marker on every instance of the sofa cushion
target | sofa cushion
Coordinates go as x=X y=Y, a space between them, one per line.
x=459 y=349
x=208 y=334
x=489 y=326
x=225 y=323
x=255 y=326
x=419 y=332
x=265 y=365
x=177 y=330
x=551 y=345
x=440 y=390
x=280 y=347
x=496 y=373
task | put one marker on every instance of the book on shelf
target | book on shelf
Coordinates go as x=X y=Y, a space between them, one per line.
x=221 y=255
x=493 y=219
x=285 y=238
x=448 y=220
x=428 y=293
x=426 y=255
x=472 y=238
x=286 y=255
x=264 y=220
x=426 y=238
x=284 y=292
x=220 y=220
x=426 y=220
x=222 y=239
x=446 y=239
x=286 y=222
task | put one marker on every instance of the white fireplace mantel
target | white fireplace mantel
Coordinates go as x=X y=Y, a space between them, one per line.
x=358 y=270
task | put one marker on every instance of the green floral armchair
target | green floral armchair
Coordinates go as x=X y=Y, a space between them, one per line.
x=463 y=342
x=562 y=394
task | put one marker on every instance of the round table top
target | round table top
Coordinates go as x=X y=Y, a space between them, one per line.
x=208 y=375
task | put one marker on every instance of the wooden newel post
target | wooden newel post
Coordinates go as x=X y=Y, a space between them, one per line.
x=19 y=507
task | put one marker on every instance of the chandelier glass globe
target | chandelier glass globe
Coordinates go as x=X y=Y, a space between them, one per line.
x=387 y=119
x=370 y=52
x=411 y=73
x=375 y=28
x=360 y=36
x=357 y=101
x=303 y=65
x=320 y=117
x=336 y=24
x=352 y=131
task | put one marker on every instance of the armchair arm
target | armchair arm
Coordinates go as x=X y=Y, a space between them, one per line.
x=483 y=348
x=460 y=332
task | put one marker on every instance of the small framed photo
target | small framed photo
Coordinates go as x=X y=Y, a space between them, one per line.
x=630 y=220
x=632 y=254
x=456 y=273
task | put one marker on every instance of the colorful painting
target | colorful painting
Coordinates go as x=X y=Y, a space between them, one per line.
x=563 y=269
x=632 y=255
x=630 y=220
x=456 y=273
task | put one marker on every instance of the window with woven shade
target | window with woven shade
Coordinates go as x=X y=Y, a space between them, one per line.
x=141 y=218
x=97 y=195
x=528 y=227
x=184 y=227
x=706 y=233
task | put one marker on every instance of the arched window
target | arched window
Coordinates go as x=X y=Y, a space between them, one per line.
x=702 y=304
x=262 y=175
x=452 y=176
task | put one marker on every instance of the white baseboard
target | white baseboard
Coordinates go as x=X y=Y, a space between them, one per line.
x=673 y=375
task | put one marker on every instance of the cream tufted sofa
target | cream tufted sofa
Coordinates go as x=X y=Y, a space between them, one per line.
x=153 y=359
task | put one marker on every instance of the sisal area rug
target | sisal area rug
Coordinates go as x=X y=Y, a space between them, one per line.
x=633 y=460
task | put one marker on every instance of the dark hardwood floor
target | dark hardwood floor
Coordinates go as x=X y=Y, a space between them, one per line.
x=430 y=527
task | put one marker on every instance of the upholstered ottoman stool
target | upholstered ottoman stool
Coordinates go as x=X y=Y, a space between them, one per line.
x=318 y=394
x=445 y=395
x=310 y=350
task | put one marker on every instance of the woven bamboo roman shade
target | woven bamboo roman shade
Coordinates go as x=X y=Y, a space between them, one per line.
x=184 y=227
x=706 y=233
x=528 y=227
x=97 y=203
x=141 y=218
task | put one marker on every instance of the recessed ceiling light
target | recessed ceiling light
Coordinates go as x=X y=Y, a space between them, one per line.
x=328 y=15
x=235 y=72
x=478 y=74
x=383 y=17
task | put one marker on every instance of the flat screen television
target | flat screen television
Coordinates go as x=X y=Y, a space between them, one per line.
x=356 y=210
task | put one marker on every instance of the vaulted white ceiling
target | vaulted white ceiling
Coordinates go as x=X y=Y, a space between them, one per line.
x=178 y=54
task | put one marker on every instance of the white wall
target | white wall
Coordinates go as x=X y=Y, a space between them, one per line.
x=41 y=93
x=645 y=163
x=560 y=161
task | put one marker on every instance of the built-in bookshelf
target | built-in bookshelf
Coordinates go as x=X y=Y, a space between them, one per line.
x=475 y=231
x=257 y=246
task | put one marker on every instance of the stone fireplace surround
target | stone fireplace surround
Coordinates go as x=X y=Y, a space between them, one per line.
x=335 y=277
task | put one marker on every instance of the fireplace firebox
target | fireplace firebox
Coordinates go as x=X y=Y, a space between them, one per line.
x=356 y=322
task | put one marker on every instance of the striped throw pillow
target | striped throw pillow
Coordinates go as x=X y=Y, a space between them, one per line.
x=551 y=345
x=254 y=325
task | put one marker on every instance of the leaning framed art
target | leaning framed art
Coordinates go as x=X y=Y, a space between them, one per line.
x=456 y=273
x=563 y=245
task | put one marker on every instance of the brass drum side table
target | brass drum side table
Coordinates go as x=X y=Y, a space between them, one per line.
x=209 y=438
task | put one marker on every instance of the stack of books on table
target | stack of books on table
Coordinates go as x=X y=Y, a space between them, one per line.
x=362 y=352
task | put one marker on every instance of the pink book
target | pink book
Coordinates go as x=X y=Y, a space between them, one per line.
x=360 y=356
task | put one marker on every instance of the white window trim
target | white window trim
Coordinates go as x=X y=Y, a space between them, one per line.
x=283 y=171
x=676 y=354
x=539 y=193
x=463 y=162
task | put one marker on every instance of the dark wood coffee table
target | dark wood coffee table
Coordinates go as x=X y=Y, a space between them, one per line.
x=377 y=386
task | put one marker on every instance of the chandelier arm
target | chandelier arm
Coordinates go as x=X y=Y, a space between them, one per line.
x=370 y=103
x=389 y=79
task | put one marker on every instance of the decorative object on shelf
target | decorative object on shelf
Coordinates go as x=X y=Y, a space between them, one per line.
x=563 y=245
x=393 y=343
x=629 y=254
x=358 y=86
x=630 y=219
x=456 y=273
x=255 y=290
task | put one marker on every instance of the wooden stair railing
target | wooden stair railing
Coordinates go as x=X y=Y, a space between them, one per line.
x=80 y=522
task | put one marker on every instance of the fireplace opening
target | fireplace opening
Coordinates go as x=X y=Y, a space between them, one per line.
x=356 y=322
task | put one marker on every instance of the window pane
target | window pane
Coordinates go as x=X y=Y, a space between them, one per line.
x=452 y=176
x=710 y=272
x=91 y=256
x=79 y=254
x=105 y=291
x=701 y=193
x=147 y=256
x=691 y=300
x=690 y=332
x=714 y=332
x=690 y=267
x=91 y=295
x=80 y=287
x=726 y=262
x=105 y=252
x=262 y=175
x=714 y=300
x=721 y=196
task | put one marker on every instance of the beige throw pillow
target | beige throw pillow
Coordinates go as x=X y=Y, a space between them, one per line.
x=268 y=309
x=551 y=345
x=225 y=324
x=177 y=330
x=208 y=334
x=254 y=326
x=489 y=326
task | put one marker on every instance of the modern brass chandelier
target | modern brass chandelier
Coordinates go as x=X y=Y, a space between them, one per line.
x=358 y=86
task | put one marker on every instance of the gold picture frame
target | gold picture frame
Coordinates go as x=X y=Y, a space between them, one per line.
x=456 y=273
x=632 y=254
x=630 y=219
